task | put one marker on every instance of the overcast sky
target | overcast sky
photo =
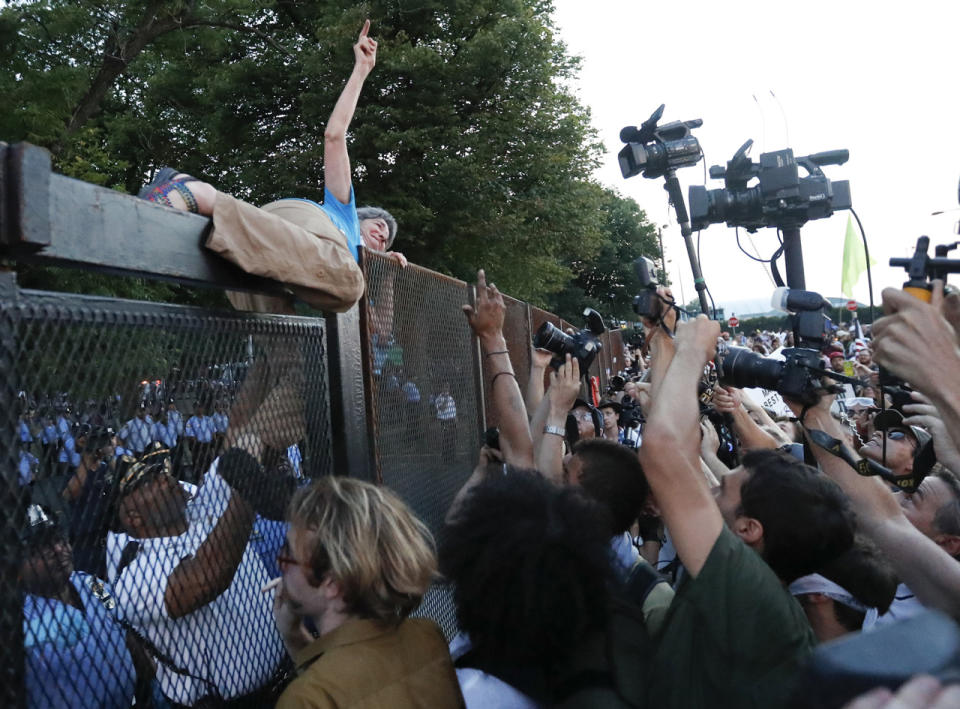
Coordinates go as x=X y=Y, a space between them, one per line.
x=879 y=79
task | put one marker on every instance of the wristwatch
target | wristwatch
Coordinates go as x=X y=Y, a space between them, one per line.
x=555 y=430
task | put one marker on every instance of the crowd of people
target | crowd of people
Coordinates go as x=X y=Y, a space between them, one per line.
x=678 y=543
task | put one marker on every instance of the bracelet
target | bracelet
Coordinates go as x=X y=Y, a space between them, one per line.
x=490 y=354
x=555 y=430
x=492 y=381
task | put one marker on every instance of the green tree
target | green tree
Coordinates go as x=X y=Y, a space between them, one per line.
x=465 y=130
x=607 y=281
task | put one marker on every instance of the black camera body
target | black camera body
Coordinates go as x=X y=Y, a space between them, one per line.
x=653 y=150
x=631 y=415
x=583 y=345
x=781 y=197
x=798 y=376
x=647 y=303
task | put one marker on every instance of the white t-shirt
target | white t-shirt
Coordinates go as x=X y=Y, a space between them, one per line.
x=230 y=645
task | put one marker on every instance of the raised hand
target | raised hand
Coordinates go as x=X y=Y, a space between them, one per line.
x=487 y=313
x=365 y=51
x=698 y=336
x=565 y=385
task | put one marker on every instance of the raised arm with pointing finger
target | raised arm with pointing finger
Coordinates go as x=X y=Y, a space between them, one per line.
x=486 y=317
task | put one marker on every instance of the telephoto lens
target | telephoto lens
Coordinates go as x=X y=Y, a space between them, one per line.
x=742 y=368
x=552 y=338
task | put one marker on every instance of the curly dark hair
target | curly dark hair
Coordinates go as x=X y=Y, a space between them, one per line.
x=530 y=565
x=806 y=517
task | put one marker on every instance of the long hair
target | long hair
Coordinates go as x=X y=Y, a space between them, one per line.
x=368 y=541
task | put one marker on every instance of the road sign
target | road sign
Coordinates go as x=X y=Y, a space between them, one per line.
x=733 y=322
x=852 y=306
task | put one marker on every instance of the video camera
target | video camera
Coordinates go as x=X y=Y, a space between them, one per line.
x=583 y=345
x=654 y=150
x=781 y=197
x=799 y=375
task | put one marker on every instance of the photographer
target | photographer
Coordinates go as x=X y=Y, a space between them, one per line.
x=610 y=410
x=772 y=521
x=908 y=321
x=926 y=568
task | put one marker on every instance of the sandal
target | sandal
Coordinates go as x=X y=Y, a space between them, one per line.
x=164 y=183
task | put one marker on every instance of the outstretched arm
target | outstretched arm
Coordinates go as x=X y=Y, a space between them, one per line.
x=486 y=320
x=926 y=568
x=336 y=161
x=670 y=452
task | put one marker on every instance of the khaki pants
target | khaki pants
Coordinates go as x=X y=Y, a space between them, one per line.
x=294 y=242
x=290 y=241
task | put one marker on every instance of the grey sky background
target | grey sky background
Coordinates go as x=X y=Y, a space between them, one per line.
x=876 y=78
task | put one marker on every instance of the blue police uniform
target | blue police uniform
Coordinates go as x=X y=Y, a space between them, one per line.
x=74 y=657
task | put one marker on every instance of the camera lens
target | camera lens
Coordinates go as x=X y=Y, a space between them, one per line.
x=550 y=337
x=740 y=367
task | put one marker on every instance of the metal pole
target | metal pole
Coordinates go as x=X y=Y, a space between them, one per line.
x=793 y=256
x=676 y=196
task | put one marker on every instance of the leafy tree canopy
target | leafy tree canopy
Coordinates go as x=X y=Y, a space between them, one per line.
x=465 y=131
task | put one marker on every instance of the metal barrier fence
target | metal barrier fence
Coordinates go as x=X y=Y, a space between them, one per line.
x=89 y=382
x=130 y=569
x=424 y=405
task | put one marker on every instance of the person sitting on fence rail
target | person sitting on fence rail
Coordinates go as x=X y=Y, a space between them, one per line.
x=188 y=579
x=357 y=562
x=311 y=247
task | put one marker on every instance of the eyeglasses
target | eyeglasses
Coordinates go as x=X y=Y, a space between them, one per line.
x=585 y=416
x=284 y=560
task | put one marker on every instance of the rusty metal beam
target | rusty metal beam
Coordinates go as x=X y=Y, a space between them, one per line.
x=56 y=220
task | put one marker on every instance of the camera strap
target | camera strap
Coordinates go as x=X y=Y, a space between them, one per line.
x=863 y=466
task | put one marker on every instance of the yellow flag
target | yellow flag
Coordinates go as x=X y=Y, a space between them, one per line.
x=854 y=260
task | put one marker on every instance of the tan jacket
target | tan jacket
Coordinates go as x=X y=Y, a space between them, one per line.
x=365 y=665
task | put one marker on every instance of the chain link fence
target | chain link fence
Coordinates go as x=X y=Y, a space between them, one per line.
x=126 y=422
x=424 y=405
x=127 y=425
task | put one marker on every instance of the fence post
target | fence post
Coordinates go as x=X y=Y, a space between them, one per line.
x=477 y=356
x=12 y=502
x=352 y=443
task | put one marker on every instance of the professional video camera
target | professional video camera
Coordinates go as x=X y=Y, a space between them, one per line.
x=654 y=150
x=799 y=375
x=583 y=345
x=781 y=197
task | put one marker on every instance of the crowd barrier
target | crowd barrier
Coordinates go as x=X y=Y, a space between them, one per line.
x=395 y=392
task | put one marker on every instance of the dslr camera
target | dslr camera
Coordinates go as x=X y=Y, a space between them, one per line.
x=654 y=150
x=583 y=345
x=799 y=375
x=781 y=197
x=647 y=303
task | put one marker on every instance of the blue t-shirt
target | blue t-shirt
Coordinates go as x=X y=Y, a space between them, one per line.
x=76 y=658
x=343 y=216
